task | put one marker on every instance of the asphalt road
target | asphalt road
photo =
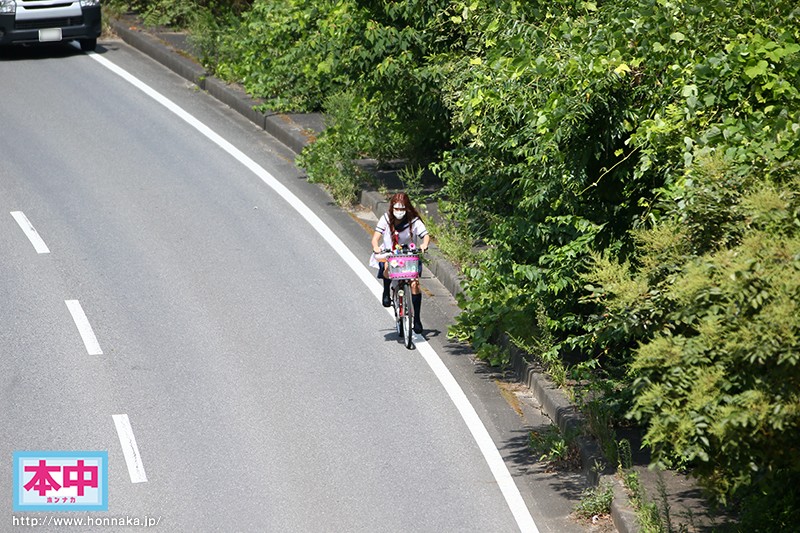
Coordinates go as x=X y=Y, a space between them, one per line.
x=263 y=382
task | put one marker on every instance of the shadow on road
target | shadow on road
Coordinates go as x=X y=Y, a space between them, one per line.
x=36 y=51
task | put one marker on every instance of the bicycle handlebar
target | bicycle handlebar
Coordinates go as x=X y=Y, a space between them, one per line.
x=404 y=251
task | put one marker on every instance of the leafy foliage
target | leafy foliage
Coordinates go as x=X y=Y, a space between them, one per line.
x=665 y=135
x=295 y=55
x=716 y=371
x=332 y=160
x=291 y=53
x=180 y=13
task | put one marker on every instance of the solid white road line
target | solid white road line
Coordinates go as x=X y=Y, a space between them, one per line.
x=84 y=328
x=30 y=232
x=490 y=452
x=481 y=435
x=129 y=448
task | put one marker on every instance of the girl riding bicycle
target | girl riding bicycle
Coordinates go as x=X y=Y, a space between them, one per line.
x=402 y=225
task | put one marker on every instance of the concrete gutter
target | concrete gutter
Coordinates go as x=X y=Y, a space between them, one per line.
x=289 y=130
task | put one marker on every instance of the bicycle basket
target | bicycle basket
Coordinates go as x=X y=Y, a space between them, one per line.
x=402 y=266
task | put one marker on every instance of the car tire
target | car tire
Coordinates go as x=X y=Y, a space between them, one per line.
x=88 y=45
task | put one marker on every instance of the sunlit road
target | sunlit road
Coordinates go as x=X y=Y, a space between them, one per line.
x=154 y=288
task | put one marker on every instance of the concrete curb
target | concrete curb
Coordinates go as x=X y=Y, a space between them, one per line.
x=286 y=130
x=622 y=512
x=236 y=99
x=158 y=50
x=281 y=126
x=570 y=421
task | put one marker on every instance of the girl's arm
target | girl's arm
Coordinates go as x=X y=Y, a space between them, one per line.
x=425 y=242
x=376 y=240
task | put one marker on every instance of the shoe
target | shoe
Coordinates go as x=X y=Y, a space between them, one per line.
x=387 y=302
x=417 y=325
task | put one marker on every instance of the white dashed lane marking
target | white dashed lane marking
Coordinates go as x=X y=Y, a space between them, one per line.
x=30 y=232
x=129 y=448
x=84 y=328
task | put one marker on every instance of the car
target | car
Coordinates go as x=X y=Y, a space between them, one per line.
x=43 y=21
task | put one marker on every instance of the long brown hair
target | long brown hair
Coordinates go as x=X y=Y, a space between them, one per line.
x=411 y=212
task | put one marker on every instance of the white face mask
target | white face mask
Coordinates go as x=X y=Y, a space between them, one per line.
x=399 y=211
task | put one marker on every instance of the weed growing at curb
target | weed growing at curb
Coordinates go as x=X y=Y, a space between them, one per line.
x=647 y=514
x=454 y=242
x=559 y=451
x=595 y=501
x=652 y=516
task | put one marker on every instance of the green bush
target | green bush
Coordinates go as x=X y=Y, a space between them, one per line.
x=180 y=13
x=633 y=168
x=292 y=54
x=769 y=511
x=717 y=379
x=330 y=160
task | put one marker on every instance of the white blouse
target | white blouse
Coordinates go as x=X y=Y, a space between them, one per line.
x=416 y=230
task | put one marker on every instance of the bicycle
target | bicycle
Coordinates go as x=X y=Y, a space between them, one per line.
x=402 y=267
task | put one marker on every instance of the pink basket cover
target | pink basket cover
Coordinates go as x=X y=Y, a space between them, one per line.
x=402 y=266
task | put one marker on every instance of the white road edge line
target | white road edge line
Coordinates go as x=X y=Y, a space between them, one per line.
x=129 y=448
x=30 y=232
x=490 y=452
x=84 y=328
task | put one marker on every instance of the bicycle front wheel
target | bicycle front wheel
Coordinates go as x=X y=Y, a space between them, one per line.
x=397 y=299
x=408 y=320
